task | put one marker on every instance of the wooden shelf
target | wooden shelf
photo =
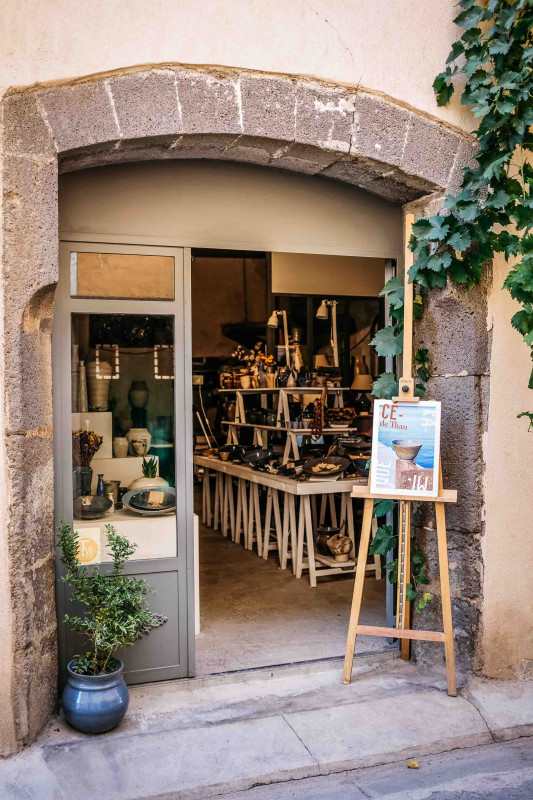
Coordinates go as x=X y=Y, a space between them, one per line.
x=282 y=429
x=290 y=389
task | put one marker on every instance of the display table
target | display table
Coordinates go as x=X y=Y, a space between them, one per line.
x=294 y=531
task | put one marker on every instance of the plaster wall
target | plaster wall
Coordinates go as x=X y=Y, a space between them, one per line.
x=507 y=636
x=390 y=46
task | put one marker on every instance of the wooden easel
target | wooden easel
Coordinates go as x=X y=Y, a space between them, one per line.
x=403 y=630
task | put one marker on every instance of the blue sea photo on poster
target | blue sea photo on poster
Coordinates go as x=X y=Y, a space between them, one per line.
x=405 y=448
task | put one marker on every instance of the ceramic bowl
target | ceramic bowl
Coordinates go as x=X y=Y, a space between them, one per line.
x=258 y=458
x=91 y=506
x=141 y=501
x=407 y=449
x=340 y=465
x=230 y=451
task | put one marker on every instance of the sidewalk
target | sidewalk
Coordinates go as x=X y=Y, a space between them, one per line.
x=197 y=739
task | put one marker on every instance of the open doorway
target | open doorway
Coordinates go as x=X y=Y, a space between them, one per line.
x=282 y=377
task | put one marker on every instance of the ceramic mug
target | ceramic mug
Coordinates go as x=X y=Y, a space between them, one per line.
x=246 y=381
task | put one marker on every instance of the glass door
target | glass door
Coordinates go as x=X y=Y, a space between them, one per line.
x=122 y=402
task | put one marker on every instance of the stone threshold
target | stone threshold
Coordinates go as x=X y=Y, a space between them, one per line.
x=226 y=737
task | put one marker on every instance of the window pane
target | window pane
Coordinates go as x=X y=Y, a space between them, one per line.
x=123 y=433
x=121 y=276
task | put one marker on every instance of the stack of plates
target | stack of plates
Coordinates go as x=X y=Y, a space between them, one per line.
x=151 y=502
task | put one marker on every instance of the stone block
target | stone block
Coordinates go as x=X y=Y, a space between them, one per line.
x=146 y=104
x=464 y=559
x=253 y=149
x=430 y=150
x=461 y=447
x=465 y=617
x=303 y=158
x=453 y=316
x=81 y=115
x=31 y=507
x=268 y=106
x=372 y=176
x=25 y=131
x=463 y=159
x=380 y=129
x=324 y=116
x=202 y=145
x=209 y=103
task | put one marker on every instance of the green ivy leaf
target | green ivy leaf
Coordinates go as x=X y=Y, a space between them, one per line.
x=383 y=541
x=469 y=18
x=410 y=593
x=386 y=386
x=424 y=600
x=388 y=342
x=394 y=291
x=383 y=507
x=460 y=241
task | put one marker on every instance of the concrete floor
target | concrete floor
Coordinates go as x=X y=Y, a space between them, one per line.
x=254 y=615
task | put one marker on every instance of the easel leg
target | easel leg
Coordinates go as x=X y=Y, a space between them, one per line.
x=445 y=598
x=358 y=590
x=404 y=621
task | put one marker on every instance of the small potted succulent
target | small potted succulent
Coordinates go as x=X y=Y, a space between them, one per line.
x=150 y=478
x=96 y=697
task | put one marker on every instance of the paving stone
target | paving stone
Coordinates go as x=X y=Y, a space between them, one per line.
x=380 y=129
x=209 y=104
x=227 y=757
x=506 y=706
x=25 y=130
x=147 y=104
x=80 y=115
x=268 y=106
x=430 y=150
x=365 y=734
x=324 y=116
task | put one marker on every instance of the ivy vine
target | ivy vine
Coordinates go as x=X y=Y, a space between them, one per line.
x=493 y=211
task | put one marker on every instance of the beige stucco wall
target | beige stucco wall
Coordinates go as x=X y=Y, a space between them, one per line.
x=507 y=640
x=390 y=46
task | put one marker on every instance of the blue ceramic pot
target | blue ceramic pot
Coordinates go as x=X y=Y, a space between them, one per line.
x=95 y=703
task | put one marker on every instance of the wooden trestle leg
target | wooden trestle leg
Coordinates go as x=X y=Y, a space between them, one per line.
x=358 y=590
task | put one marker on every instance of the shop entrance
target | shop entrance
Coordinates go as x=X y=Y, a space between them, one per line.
x=282 y=373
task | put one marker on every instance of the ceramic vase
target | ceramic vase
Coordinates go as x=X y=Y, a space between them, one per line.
x=99 y=387
x=83 y=404
x=95 y=703
x=138 y=394
x=120 y=447
x=140 y=440
x=81 y=480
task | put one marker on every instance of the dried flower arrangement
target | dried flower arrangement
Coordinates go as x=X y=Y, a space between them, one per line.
x=255 y=356
x=85 y=444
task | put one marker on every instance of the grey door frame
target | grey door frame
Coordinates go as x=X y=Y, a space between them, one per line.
x=180 y=310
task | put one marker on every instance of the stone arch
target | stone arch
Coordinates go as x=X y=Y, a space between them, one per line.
x=164 y=112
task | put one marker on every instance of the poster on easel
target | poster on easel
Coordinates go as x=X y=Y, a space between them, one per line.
x=405 y=448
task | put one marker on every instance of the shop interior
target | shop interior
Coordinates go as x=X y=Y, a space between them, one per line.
x=282 y=377
x=282 y=371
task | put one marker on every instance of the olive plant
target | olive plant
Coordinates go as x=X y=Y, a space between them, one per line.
x=115 y=613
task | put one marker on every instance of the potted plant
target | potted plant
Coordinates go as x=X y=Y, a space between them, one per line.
x=96 y=697
x=150 y=479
